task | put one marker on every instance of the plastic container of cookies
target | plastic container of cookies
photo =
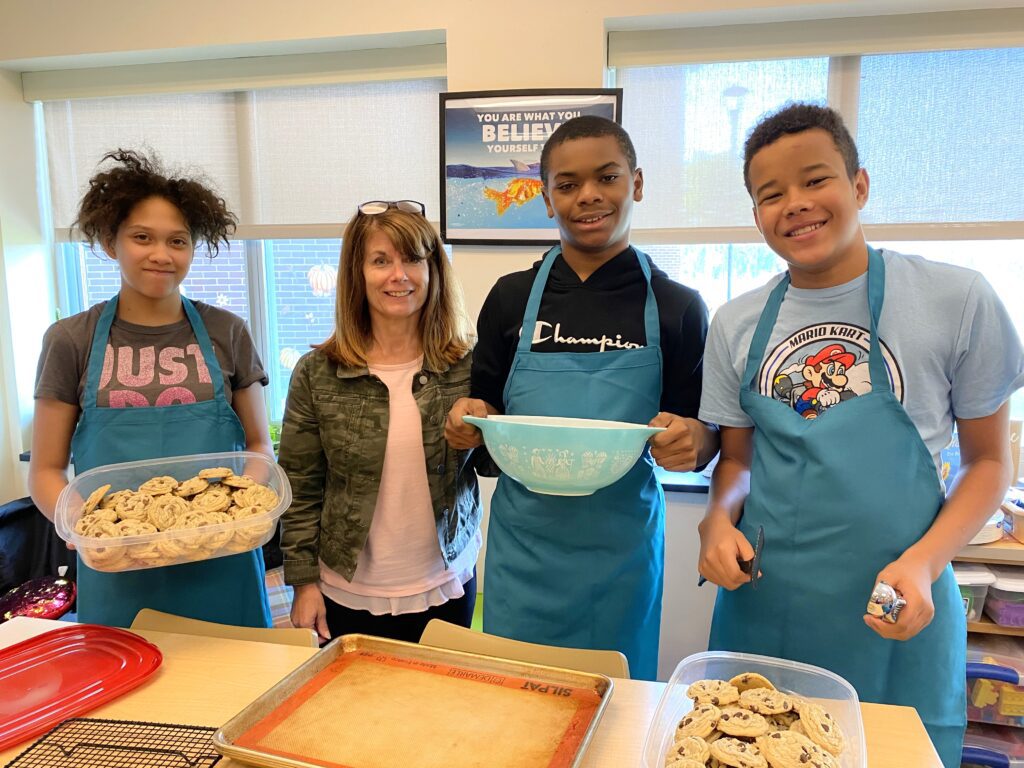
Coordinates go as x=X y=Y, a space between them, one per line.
x=824 y=688
x=198 y=526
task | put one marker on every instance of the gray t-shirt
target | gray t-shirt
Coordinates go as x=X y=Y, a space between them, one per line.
x=949 y=346
x=146 y=365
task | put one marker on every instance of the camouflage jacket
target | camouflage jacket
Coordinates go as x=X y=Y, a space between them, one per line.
x=332 y=447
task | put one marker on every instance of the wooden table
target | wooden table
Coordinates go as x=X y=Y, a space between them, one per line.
x=206 y=681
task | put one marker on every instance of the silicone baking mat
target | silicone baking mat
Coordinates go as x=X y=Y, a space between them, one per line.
x=373 y=709
x=95 y=743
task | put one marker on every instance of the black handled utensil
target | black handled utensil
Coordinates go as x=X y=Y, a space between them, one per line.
x=752 y=567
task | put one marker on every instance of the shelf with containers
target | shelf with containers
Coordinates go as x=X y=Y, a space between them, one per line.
x=993 y=597
x=1005 y=551
x=994 y=553
x=999 y=542
x=992 y=586
x=995 y=702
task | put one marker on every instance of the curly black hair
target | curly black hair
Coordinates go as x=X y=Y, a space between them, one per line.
x=797 y=117
x=115 y=192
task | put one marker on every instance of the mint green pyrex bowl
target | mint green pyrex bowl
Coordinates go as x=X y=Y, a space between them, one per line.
x=562 y=456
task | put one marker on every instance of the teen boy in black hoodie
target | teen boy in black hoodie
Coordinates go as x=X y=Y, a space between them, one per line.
x=587 y=571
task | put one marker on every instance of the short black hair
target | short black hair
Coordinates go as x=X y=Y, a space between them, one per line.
x=114 y=193
x=797 y=117
x=586 y=127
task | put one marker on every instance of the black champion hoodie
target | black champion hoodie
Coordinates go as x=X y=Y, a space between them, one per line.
x=603 y=313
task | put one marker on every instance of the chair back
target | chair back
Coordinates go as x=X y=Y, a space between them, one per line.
x=158 y=621
x=442 y=634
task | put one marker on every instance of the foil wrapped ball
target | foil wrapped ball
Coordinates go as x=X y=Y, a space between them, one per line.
x=886 y=602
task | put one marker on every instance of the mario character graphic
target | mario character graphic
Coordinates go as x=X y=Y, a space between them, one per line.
x=824 y=382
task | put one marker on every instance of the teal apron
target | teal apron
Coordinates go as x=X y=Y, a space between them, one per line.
x=229 y=590
x=584 y=571
x=840 y=497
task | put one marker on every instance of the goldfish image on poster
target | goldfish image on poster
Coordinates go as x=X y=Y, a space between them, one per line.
x=483 y=195
x=516 y=192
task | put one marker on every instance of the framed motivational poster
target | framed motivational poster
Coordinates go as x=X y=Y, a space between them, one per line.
x=490 y=160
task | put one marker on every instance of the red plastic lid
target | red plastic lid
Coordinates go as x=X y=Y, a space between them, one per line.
x=51 y=677
x=48 y=597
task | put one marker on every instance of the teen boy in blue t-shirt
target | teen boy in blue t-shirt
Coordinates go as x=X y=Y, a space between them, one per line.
x=836 y=386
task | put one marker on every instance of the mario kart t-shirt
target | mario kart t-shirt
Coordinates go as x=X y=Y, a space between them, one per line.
x=949 y=346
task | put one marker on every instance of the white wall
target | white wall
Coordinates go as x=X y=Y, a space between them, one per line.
x=686 y=608
x=24 y=263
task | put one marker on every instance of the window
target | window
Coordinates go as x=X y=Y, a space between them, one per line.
x=956 y=154
x=220 y=281
x=720 y=271
x=688 y=124
x=301 y=276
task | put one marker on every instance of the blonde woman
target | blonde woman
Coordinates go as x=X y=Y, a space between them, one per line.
x=383 y=531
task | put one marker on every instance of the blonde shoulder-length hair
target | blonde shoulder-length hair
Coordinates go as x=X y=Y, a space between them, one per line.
x=444 y=325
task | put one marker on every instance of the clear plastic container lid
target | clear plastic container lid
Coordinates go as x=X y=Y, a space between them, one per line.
x=1001 y=645
x=1009 y=507
x=819 y=685
x=1008 y=578
x=994 y=657
x=973 y=574
x=993 y=745
x=177 y=545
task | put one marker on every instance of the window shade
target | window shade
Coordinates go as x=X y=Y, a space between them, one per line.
x=194 y=132
x=319 y=152
x=942 y=136
x=280 y=157
x=989 y=28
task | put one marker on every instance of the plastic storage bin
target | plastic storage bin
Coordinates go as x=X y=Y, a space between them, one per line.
x=995 y=680
x=1004 y=603
x=1014 y=516
x=974 y=580
x=993 y=747
x=819 y=685
x=170 y=547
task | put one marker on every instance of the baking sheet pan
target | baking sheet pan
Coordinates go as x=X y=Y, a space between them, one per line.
x=368 y=702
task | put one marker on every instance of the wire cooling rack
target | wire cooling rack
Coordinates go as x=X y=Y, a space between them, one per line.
x=94 y=743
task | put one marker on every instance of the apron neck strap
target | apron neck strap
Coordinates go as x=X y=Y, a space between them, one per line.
x=652 y=323
x=97 y=354
x=205 y=346
x=876 y=296
x=652 y=326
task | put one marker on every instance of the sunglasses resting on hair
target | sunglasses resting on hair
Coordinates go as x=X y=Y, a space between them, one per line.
x=373 y=207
